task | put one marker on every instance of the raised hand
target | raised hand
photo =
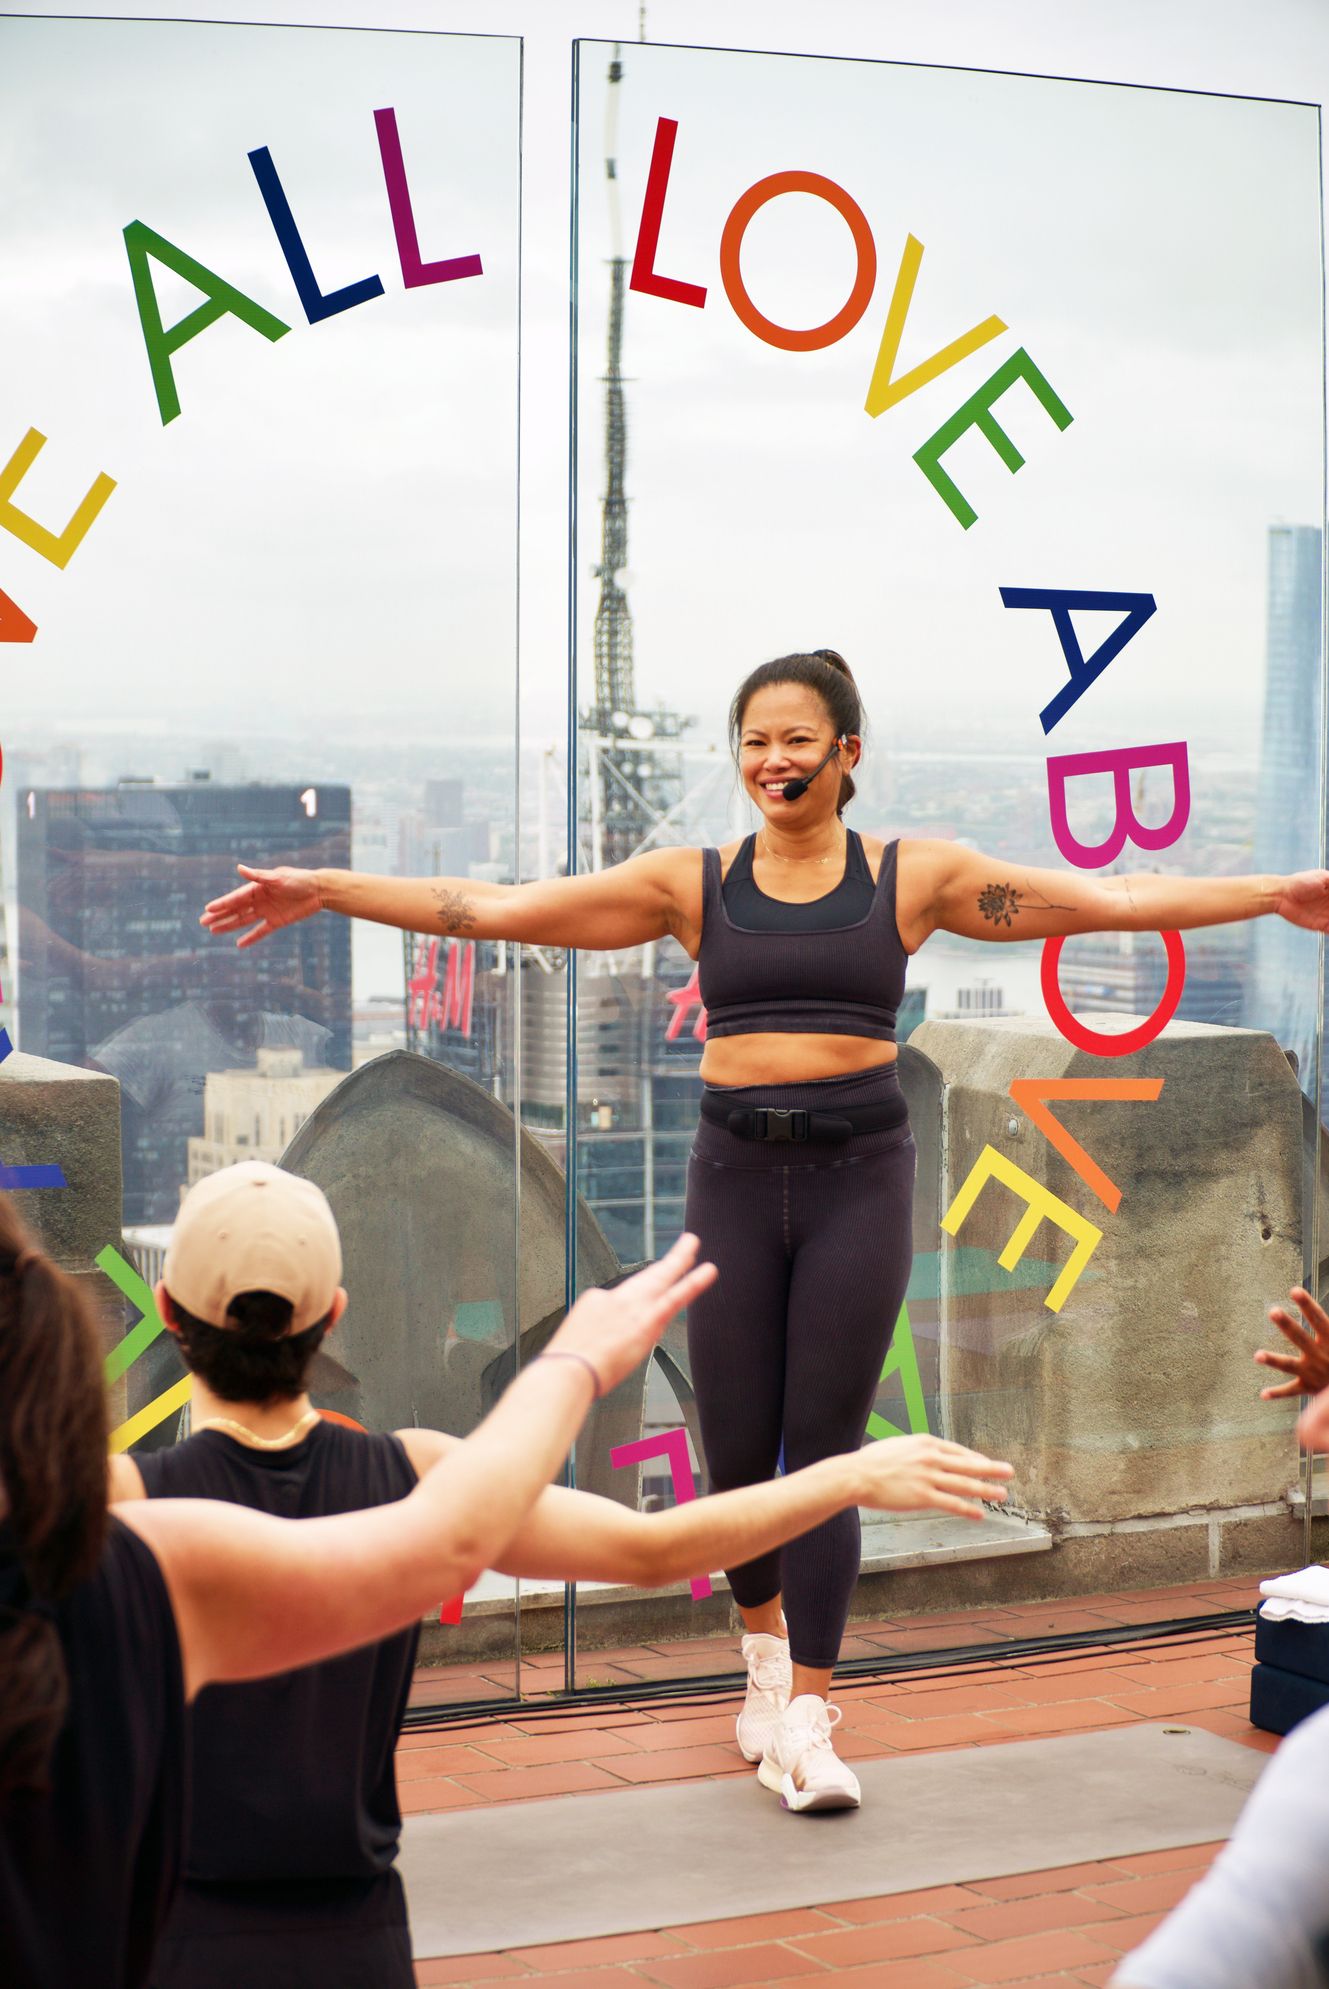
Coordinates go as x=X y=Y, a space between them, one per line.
x=270 y=899
x=1304 y=900
x=615 y=1330
x=1309 y=1366
x=906 y=1474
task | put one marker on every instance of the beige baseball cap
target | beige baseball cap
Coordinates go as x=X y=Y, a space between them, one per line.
x=253 y=1227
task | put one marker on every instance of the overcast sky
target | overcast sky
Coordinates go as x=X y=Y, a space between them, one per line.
x=330 y=521
x=1156 y=253
x=288 y=549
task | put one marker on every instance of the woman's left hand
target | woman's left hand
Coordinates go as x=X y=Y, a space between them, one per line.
x=1304 y=900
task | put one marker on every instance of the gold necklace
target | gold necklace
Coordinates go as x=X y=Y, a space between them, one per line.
x=307 y=1421
x=837 y=851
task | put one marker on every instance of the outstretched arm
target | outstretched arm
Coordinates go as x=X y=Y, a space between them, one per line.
x=577 y=1536
x=984 y=897
x=623 y=906
x=254 y=1595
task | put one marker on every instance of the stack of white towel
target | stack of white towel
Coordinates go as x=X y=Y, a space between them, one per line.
x=1299 y=1598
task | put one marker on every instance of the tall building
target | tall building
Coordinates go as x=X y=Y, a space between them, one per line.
x=457 y=1007
x=640 y=1032
x=116 y=973
x=1289 y=822
x=440 y=839
x=254 y=1114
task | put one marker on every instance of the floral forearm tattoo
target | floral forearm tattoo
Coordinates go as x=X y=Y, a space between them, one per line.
x=455 y=911
x=1002 y=903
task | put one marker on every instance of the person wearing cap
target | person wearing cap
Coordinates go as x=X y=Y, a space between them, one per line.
x=295 y=1822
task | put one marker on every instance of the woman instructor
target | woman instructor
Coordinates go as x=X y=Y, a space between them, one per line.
x=801 y=1179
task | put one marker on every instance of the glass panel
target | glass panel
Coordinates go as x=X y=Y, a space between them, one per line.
x=1010 y=390
x=285 y=635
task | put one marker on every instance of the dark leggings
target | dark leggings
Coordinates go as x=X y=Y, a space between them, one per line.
x=813 y=1243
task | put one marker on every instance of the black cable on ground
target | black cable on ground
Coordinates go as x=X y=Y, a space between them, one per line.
x=718 y=1688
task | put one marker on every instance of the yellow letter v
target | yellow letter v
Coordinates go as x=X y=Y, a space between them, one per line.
x=883 y=391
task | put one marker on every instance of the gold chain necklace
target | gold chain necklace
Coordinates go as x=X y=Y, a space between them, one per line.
x=837 y=851
x=307 y=1421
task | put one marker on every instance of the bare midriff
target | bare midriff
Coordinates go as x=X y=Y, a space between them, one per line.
x=771 y=1058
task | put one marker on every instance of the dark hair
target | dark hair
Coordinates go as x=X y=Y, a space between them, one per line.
x=53 y=1434
x=255 y=1357
x=823 y=671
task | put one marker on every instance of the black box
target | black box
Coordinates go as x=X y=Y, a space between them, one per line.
x=1293 y=1646
x=1280 y=1699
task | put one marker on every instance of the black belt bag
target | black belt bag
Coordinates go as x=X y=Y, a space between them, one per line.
x=797 y=1125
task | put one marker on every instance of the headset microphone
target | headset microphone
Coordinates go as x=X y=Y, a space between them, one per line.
x=794 y=790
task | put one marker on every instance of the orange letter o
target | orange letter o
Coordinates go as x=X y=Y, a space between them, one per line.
x=731 y=242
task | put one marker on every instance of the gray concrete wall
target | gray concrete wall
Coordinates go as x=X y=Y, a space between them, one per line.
x=55 y=1115
x=1140 y=1396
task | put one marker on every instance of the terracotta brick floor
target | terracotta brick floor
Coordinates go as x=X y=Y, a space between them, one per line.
x=1046 y=1928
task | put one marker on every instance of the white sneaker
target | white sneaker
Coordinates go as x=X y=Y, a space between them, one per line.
x=800 y=1763
x=769 y=1679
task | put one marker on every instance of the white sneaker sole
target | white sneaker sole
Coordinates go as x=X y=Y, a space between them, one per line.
x=794 y=1798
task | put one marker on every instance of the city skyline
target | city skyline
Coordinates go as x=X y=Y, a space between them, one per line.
x=1285 y=995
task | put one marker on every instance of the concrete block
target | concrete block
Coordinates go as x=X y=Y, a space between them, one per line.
x=1140 y=1396
x=54 y=1114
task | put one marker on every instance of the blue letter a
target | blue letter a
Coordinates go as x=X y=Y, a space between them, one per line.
x=1136 y=608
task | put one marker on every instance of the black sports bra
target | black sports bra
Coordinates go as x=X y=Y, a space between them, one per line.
x=834 y=967
x=749 y=906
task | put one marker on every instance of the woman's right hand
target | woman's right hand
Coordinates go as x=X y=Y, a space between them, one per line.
x=615 y=1330
x=1309 y=1365
x=910 y=1473
x=270 y=899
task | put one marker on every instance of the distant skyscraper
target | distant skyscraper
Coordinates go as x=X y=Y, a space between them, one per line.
x=443 y=803
x=116 y=973
x=1289 y=823
x=439 y=839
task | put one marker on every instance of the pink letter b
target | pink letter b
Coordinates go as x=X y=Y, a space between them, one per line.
x=1119 y=763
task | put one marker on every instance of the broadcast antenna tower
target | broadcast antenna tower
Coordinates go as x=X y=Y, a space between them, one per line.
x=633 y=759
x=641 y=787
x=614 y=688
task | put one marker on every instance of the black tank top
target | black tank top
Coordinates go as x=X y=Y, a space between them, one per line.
x=87 y=1872
x=293 y=1776
x=819 y=971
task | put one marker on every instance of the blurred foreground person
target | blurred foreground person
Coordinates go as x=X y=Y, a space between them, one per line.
x=1259 y=1919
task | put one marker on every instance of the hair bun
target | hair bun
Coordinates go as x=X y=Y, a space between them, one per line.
x=833 y=659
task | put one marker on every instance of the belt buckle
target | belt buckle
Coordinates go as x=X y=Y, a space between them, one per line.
x=780 y=1122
